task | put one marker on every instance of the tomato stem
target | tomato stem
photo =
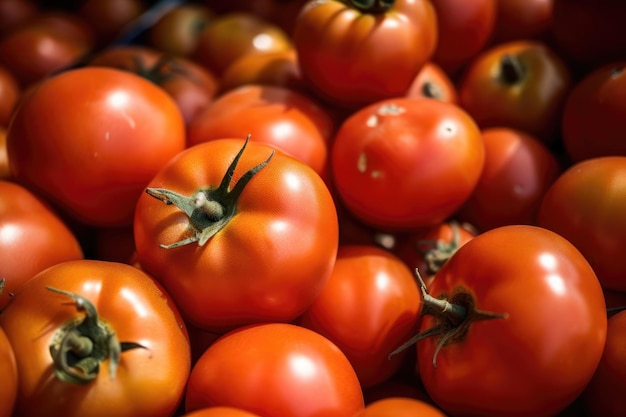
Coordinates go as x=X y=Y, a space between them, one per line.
x=372 y=6
x=438 y=251
x=432 y=90
x=512 y=70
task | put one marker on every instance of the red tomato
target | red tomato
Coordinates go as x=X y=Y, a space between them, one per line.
x=356 y=53
x=522 y=19
x=523 y=330
x=405 y=163
x=586 y=205
x=373 y=291
x=14 y=13
x=275 y=370
x=400 y=407
x=594 y=114
x=8 y=370
x=246 y=237
x=433 y=82
x=10 y=93
x=109 y=17
x=604 y=395
x=93 y=155
x=520 y=84
x=220 y=412
x=518 y=171
x=32 y=238
x=274 y=115
x=66 y=343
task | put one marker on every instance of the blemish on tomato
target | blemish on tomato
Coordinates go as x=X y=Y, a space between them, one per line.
x=361 y=163
x=372 y=121
x=390 y=110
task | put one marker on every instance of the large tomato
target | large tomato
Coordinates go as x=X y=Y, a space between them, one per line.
x=518 y=329
x=400 y=407
x=220 y=412
x=371 y=290
x=90 y=139
x=354 y=53
x=247 y=233
x=586 y=205
x=32 y=238
x=8 y=370
x=275 y=370
x=86 y=331
x=406 y=163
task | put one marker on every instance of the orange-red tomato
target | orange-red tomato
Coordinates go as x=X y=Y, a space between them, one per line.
x=220 y=412
x=5 y=171
x=433 y=82
x=32 y=238
x=53 y=335
x=8 y=370
x=400 y=407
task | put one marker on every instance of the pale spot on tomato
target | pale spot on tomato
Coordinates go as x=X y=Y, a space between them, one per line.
x=262 y=41
x=361 y=163
x=376 y=174
x=391 y=109
x=372 y=121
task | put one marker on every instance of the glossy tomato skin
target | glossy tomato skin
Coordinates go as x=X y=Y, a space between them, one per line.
x=8 y=370
x=32 y=238
x=271 y=259
x=347 y=55
x=275 y=370
x=406 y=163
x=369 y=306
x=433 y=82
x=400 y=407
x=153 y=379
x=586 y=205
x=93 y=155
x=537 y=359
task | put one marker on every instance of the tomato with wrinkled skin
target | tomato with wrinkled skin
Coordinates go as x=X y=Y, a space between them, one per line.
x=518 y=84
x=594 y=114
x=220 y=412
x=398 y=406
x=94 y=154
x=518 y=171
x=8 y=370
x=247 y=252
x=373 y=291
x=406 y=163
x=129 y=303
x=531 y=332
x=433 y=82
x=275 y=370
x=32 y=238
x=353 y=54
x=586 y=205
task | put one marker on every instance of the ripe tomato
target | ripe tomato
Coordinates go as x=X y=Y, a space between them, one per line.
x=522 y=19
x=10 y=93
x=249 y=235
x=32 y=238
x=520 y=84
x=594 y=113
x=373 y=291
x=356 y=53
x=66 y=343
x=433 y=82
x=275 y=370
x=400 y=407
x=518 y=171
x=8 y=370
x=109 y=17
x=5 y=171
x=274 y=115
x=586 y=205
x=405 y=163
x=604 y=395
x=93 y=155
x=523 y=330
x=220 y=412
x=14 y=13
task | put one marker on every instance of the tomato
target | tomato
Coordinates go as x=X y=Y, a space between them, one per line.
x=394 y=388
x=523 y=328
x=229 y=36
x=586 y=205
x=10 y=93
x=275 y=370
x=100 y=135
x=190 y=85
x=400 y=407
x=32 y=238
x=14 y=13
x=373 y=291
x=220 y=412
x=8 y=370
x=433 y=82
x=604 y=395
x=522 y=19
x=109 y=17
x=464 y=28
x=278 y=116
x=355 y=53
x=406 y=163
x=68 y=323
x=247 y=234
x=5 y=171
x=592 y=122
x=519 y=84
x=518 y=171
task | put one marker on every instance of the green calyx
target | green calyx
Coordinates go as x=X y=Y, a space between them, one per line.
x=372 y=6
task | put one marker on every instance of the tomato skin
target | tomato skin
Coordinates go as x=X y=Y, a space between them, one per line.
x=406 y=163
x=400 y=407
x=346 y=55
x=594 y=112
x=586 y=205
x=220 y=412
x=275 y=370
x=522 y=19
x=386 y=313
x=8 y=370
x=556 y=317
x=267 y=264
x=93 y=155
x=153 y=379
x=433 y=82
x=32 y=238
x=10 y=92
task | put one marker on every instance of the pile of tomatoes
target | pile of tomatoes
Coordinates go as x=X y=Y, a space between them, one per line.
x=307 y=208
